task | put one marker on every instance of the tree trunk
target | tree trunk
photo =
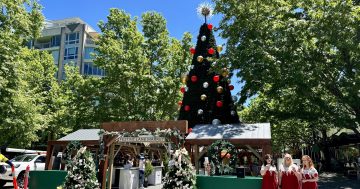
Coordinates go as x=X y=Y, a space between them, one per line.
x=325 y=149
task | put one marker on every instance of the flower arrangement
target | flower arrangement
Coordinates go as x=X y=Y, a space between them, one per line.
x=181 y=174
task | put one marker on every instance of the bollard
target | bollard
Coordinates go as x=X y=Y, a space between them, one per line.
x=14 y=177
x=26 y=178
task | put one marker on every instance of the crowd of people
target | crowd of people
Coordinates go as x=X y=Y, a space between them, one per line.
x=289 y=175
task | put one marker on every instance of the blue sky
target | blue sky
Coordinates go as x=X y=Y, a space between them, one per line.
x=181 y=15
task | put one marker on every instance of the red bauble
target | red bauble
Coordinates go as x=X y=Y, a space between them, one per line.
x=211 y=51
x=189 y=130
x=231 y=87
x=219 y=104
x=180 y=103
x=216 y=78
x=182 y=89
x=187 y=108
x=192 y=50
x=193 y=78
x=210 y=26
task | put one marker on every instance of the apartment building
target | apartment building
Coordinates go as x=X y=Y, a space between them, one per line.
x=70 y=40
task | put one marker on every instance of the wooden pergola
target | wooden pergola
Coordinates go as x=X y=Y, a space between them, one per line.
x=111 y=142
x=250 y=136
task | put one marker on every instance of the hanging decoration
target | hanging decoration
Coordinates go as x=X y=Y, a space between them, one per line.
x=225 y=72
x=231 y=87
x=211 y=51
x=233 y=112
x=194 y=78
x=216 y=122
x=203 y=97
x=205 y=85
x=210 y=26
x=219 y=89
x=200 y=58
x=190 y=130
x=200 y=111
x=219 y=48
x=192 y=50
x=182 y=89
x=187 y=108
x=180 y=103
x=216 y=78
x=219 y=104
x=203 y=38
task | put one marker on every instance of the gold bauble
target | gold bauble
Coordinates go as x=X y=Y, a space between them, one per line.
x=219 y=48
x=203 y=97
x=200 y=58
x=219 y=89
x=184 y=78
x=229 y=81
x=225 y=72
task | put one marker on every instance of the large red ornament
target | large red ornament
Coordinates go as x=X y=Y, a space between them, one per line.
x=187 y=108
x=231 y=87
x=216 y=78
x=210 y=26
x=219 y=104
x=211 y=51
x=194 y=78
x=189 y=130
x=182 y=89
x=180 y=103
x=192 y=50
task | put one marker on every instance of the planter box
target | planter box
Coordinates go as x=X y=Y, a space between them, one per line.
x=156 y=176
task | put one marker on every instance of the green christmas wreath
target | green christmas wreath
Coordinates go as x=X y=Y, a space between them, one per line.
x=223 y=157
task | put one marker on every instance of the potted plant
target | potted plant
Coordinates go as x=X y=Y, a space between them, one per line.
x=148 y=170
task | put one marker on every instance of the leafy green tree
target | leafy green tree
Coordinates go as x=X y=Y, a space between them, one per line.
x=142 y=69
x=308 y=47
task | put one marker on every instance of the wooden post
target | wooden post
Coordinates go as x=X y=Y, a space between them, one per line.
x=196 y=158
x=111 y=164
x=103 y=168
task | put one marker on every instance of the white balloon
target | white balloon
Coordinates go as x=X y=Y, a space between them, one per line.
x=203 y=38
x=216 y=122
x=205 y=85
x=200 y=111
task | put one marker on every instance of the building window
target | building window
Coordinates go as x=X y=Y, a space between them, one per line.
x=55 y=40
x=55 y=55
x=89 y=51
x=72 y=38
x=91 y=69
x=71 y=53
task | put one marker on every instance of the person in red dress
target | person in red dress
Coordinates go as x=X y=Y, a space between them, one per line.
x=269 y=173
x=309 y=174
x=290 y=176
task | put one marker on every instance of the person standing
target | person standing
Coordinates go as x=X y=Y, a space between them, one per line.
x=309 y=173
x=289 y=177
x=141 y=170
x=269 y=173
x=128 y=182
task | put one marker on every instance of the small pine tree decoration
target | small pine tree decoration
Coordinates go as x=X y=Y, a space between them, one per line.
x=81 y=171
x=181 y=174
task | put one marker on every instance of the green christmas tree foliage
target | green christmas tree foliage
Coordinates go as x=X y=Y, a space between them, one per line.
x=207 y=94
x=181 y=174
x=81 y=171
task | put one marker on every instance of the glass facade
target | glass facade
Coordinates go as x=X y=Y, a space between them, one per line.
x=71 y=53
x=91 y=69
x=55 y=40
x=72 y=38
x=89 y=51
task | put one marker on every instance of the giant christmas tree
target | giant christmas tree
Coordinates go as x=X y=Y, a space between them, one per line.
x=207 y=97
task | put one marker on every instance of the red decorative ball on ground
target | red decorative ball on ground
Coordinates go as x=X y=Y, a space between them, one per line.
x=210 y=26
x=192 y=50
x=219 y=104
x=211 y=51
x=182 y=89
x=194 y=78
x=216 y=78
x=231 y=87
x=187 y=108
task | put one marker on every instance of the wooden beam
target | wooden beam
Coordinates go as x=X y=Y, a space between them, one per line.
x=130 y=126
x=254 y=152
x=103 y=168
x=111 y=165
x=203 y=151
